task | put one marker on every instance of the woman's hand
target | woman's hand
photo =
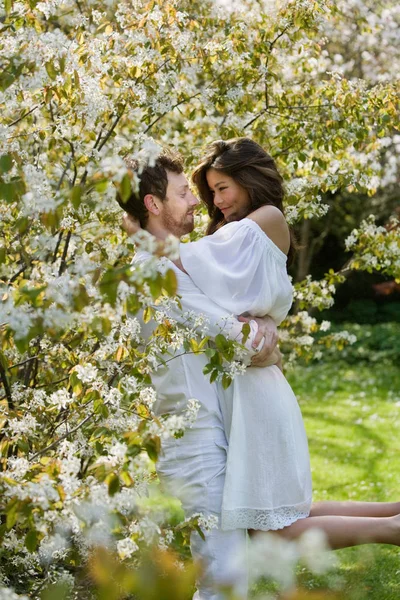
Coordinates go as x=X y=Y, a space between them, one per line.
x=267 y=331
x=130 y=224
x=275 y=358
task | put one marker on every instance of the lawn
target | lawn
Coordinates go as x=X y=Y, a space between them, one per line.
x=352 y=417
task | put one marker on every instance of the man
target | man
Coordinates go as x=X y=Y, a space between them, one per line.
x=164 y=205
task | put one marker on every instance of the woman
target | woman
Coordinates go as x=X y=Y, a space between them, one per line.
x=241 y=266
x=268 y=479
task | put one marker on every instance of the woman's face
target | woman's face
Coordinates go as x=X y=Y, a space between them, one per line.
x=229 y=196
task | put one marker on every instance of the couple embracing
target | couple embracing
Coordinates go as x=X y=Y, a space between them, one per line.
x=245 y=461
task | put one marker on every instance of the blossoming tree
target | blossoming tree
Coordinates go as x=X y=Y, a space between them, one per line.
x=82 y=85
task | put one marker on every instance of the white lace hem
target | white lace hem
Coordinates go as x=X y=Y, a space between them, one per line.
x=262 y=519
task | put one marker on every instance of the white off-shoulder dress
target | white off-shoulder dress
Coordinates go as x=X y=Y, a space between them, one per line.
x=267 y=479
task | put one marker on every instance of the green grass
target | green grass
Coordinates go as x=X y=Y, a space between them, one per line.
x=352 y=417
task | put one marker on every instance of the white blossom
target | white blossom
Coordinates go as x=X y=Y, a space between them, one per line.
x=86 y=373
x=126 y=548
x=61 y=398
x=148 y=396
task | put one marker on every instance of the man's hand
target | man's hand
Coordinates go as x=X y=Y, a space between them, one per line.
x=268 y=331
x=130 y=224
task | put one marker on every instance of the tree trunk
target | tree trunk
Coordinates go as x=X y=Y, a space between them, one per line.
x=305 y=252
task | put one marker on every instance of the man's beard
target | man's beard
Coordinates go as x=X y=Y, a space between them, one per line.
x=177 y=227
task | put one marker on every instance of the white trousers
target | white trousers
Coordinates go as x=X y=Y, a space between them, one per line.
x=192 y=468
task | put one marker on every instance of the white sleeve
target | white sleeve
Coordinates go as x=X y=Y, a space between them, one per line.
x=240 y=269
x=194 y=303
x=217 y=320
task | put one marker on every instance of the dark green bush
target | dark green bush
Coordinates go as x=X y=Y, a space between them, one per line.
x=363 y=310
x=375 y=343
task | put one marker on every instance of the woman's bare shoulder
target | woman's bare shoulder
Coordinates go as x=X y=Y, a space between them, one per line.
x=274 y=225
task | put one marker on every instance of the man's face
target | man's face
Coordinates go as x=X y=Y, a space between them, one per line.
x=178 y=207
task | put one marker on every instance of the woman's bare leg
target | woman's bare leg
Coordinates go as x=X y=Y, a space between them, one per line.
x=355 y=509
x=342 y=532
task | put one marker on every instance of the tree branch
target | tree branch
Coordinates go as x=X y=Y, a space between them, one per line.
x=271 y=45
x=22 y=363
x=64 y=172
x=97 y=142
x=14 y=277
x=111 y=129
x=63 y=264
x=53 y=382
x=57 y=246
x=172 y=108
x=60 y=439
x=7 y=389
x=26 y=114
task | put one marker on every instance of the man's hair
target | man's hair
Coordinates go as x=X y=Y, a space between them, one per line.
x=152 y=180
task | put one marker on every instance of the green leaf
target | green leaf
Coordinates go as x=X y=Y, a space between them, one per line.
x=108 y=288
x=132 y=304
x=153 y=447
x=101 y=186
x=82 y=299
x=221 y=342
x=31 y=540
x=216 y=359
x=76 y=195
x=56 y=591
x=147 y=314
x=134 y=450
x=125 y=188
x=113 y=484
x=170 y=282
x=246 y=332
x=194 y=346
x=51 y=71
x=203 y=343
x=22 y=224
x=75 y=383
x=62 y=60
x=200 y=532
x=7 y=192
x=209 y=367
x=3 y=361
x=11 y=191
x=226 y=381
x=6 y=163
x=155 y=286
x=22 y=344
x=23 y=445
x=213 y=376
x=8 y=4
x=12 y=513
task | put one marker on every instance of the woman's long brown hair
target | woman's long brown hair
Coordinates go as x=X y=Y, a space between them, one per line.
x=251 y=167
